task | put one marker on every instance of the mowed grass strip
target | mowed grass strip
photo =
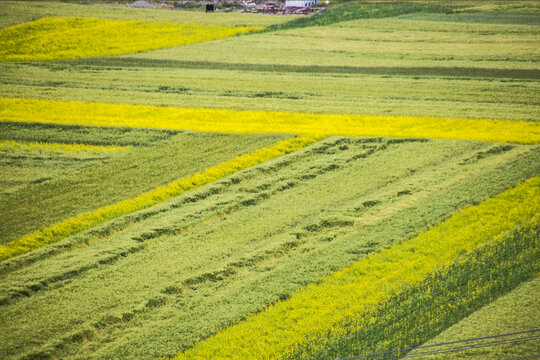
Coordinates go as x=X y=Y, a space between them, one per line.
x=323 y=308
x=72 y=38
x=90 y=219
x=251 y=122
x=59 y=147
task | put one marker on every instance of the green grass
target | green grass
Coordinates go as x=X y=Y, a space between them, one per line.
x=356 y=10
x=210 y=258
x=370 y=66
x=16 y=12
x=152 y=283
x=418 y=95
x=44 y=188
x=391 y=42
x=516 y=311
x=485 y=17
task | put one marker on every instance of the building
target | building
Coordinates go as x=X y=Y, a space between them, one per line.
x=300 y=3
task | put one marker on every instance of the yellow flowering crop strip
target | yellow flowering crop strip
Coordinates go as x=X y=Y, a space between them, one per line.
x=319 y=309
x=230 y=121
x=59 y=147
x=72 y=38
x=90 y=219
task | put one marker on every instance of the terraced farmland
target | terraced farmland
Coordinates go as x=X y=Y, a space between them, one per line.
x=260 y=187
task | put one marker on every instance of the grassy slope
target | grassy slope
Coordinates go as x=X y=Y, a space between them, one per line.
x=69 y=288
x=210 y=258
x=13 y=12
x=392 y=42
x=516 y=311
x=352 y=67
x=321 y=93
x=22 y=168
x=84 y=187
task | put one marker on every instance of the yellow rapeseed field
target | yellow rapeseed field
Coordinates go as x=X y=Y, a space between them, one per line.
x=72 y=38
x=319 y=309
x=90 y=219
x=230 y=121
x=59 y=147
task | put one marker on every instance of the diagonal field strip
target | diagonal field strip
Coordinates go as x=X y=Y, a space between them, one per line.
x=354 y=291
x=73 y=38
x=230 y=121
x=87 y=220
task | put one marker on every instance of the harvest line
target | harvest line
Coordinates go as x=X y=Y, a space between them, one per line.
x=58 y=231
x=230 y=121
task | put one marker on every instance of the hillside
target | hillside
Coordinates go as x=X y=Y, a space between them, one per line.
x=185 y=185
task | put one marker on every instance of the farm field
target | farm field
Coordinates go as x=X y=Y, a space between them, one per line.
x=176 y=184
x=510 y=313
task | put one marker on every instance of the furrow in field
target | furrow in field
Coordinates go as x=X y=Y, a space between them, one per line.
x=464 y=72
x=208 y=259
x=87 y=220
x=351 y=294
x=40 y=189
x=102 y=114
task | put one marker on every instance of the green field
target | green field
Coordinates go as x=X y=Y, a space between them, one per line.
x=409 y=65
x=513 y=312
x=176 y=274
x=43 y=188
x=249 y=243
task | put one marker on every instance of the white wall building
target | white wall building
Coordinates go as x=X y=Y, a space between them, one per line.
x=300 y=3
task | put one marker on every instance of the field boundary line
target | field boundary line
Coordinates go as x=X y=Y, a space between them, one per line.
x=427 y=71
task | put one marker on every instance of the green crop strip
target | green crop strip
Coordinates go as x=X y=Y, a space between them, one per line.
x=366 y=285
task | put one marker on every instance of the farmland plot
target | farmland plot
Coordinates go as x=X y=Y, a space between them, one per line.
x=320 y=189
x=46 y=187
x=233 y=248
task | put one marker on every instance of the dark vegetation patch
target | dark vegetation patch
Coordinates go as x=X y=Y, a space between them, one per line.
x=454 y=72
x=495 y=150
x=76 y=134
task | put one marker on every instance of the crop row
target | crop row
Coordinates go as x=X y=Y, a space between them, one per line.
x=450 y=294
x=87 y=220
x=59 y=147
x=319 y=125
x=362 y=288
x=73 y=38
